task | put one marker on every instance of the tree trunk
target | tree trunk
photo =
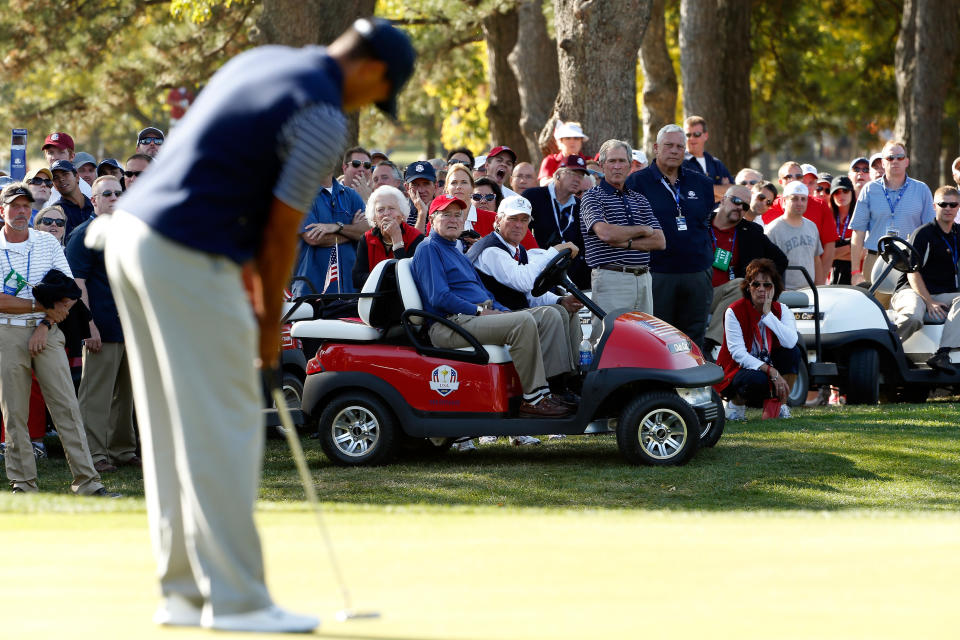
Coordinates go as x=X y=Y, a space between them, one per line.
x=715 y=60
x=659 y=78
x=503 y=113
x=598 y=90
x=534 y=64
x=301 y=22
x=951 y=148
x=934 y=30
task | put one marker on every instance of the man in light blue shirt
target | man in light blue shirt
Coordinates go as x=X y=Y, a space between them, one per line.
x=890 y=205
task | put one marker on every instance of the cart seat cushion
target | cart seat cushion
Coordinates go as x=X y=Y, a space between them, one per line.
x=407 y=285
x=498 y=354
x=352 y=330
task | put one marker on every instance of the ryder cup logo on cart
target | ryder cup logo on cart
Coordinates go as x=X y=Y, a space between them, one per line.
x=443 y=380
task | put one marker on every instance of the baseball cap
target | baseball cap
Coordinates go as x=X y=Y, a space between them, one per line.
x=14 y=190
x=825 y=177
x=5 y=180
x=514 y=205
x=83 y=158
x=840 y=182
x=808 y=168
x=376 y=153
x=640 y=156
x=35 y=172
x=62 y=165
x=59 y=140
x=149 y=132
x=479 y=161
x=392 y=46
x=108 y=162
x=443 y=201
x=796 y=188
x=575 y=163
x=568 y=130
x=857 y=161
x=498 y=150
x=420 y=169
x=875 y=157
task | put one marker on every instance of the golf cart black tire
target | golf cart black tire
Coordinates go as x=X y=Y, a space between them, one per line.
x=863 y=376
x=798 y=394
x=628 y=428
x=710 y=435
x=384 y=446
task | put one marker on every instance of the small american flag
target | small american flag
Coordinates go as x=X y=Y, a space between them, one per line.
x=333 y=270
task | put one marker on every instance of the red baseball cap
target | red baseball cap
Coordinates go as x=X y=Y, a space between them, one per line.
x=498 y=150
x=442 y=202
x=59 y=140
x=576 y=163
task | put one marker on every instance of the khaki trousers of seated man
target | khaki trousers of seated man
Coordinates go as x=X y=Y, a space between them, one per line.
x=574 y=333
x=910 y=307
x=723 y=296
x=53 y=373
x=615 y=290
x=535 y=336
x=106 y=403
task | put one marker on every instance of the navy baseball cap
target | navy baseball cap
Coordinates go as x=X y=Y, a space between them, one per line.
x=107 y=162
x=392 y=46
x=420 y=169
x=62 y=165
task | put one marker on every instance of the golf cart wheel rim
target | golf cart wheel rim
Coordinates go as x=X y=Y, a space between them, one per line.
x=662 y=433
x=355 y=431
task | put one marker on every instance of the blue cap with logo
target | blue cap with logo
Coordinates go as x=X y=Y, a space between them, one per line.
x=63 y=165
x=420 y=169
x=392 y=46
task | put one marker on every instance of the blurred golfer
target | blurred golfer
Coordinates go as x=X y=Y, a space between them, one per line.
x=216 y=219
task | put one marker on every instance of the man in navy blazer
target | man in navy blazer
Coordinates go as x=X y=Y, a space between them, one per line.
x=556 y=214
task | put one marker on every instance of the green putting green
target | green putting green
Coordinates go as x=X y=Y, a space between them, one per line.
x=485 y=572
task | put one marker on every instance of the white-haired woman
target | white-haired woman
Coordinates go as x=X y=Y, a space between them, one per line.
x=389 y=235
x=570 y=139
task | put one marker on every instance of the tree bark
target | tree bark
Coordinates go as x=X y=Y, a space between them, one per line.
x=534 y=64
x=923 y=81
x=503 y=113
x=715 y=60
x=597 y=45
x=297 y=23
x=659 y=78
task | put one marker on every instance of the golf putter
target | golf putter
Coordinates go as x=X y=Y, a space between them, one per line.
x=296 y=450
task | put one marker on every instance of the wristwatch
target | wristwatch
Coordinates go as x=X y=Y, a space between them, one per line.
x=46 y=322
x=480 y=309
x=339 y=227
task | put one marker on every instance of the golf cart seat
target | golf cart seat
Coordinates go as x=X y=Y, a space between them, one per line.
x=376 y=313
x=410 y=296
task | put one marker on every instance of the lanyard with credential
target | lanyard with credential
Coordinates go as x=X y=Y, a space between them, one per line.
x=26 y=279
x=845 y=226
x=893 y=204
x=675 y=194
x=717 y=254
x=557 y=210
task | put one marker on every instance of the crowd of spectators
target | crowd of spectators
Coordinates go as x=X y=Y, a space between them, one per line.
x=676 y=236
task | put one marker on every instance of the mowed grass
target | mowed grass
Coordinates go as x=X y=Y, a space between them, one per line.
x=839 y=523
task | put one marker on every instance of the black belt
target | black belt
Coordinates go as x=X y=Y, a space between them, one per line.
x=872 y=252
x=637 y=271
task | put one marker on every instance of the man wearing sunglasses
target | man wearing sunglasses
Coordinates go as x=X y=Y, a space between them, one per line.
x=893 y=205
x=149 y=141
x=106 y=395
x=934 y=289
x=736 y=243
x=697 y=159
x=133 y=167
x=357 y=172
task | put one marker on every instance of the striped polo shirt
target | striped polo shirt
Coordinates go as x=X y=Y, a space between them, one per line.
x=32 y=259
x=604 y=203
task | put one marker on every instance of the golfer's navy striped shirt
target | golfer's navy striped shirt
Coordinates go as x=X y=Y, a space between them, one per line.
x=626 y=208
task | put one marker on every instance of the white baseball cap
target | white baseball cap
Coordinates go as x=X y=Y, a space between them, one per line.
x=513 y=205
x=479 y=161
x=809 y=168
x=796 y=188
x=639 y=156
x=568 y=130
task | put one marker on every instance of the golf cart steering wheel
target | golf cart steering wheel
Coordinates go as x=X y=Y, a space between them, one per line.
x=900 y=253
x=552 y=274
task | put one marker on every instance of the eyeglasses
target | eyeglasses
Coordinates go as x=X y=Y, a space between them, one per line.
x=456 y=215
x=822 y=189
x=763 y=198
x=356 y=164
x=948 y=205
x=694 y=134
x=745 y=183
x=479 y=197
x=40 y=181
x=792 y=176
x=52 y=221
x=743 y=204
x=156 y=141
x=896 y=156
x=860 y=170
x=109 y=194
x=765 y=285
x=132 y=174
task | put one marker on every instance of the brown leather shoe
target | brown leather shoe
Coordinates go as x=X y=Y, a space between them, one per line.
x=135 y=461
x=546 y=408
x=102 y=466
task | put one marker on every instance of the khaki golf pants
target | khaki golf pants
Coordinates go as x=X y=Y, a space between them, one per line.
x=723 y=296
x=910 y=307
x=613 y=290
x=106 y=403
x=191 y=340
